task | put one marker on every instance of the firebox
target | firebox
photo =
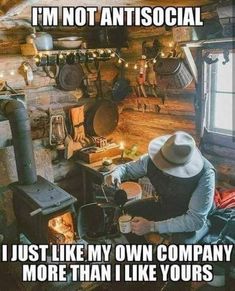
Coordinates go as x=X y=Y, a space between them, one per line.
x=45 y=213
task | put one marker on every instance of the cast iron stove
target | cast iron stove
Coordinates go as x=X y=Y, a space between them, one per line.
x=45 y=213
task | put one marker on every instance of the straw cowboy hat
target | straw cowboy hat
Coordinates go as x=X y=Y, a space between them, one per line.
x=176 y=155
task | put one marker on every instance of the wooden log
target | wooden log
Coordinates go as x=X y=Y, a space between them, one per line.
x=139 y=128
x=15 y=7
x=220 y=151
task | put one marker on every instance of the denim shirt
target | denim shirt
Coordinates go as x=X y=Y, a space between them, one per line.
x=200 y=204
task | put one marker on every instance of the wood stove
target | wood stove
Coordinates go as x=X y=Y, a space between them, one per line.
x=45 y=213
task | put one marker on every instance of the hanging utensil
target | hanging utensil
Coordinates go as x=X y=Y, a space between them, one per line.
x=102 y=117
x=121 y=87
x=70 y=77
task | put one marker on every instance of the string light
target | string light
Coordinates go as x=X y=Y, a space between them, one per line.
x=25 y=67
x=100 y=53
x=12 y=72
x=1 y=75
x=37 y=59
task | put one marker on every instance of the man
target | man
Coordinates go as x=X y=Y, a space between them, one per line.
x=185 y=183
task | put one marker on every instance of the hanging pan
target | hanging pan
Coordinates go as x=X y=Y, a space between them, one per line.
x=70 y=77
x=102 y=116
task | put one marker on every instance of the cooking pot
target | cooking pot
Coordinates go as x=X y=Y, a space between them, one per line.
x=41 y=39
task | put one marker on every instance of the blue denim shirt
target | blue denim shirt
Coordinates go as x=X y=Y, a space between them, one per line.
x=200 y=203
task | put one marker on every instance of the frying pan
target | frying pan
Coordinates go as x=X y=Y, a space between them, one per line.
x=70 y=77
x=102 y=118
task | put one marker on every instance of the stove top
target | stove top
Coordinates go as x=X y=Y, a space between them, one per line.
x=43 y=194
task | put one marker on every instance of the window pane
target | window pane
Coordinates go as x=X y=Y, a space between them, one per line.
x=223 y=111
x=224 y=78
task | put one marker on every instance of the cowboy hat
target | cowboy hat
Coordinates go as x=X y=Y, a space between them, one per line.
x=176 y=155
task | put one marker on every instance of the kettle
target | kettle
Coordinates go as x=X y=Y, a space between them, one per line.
x=41 y=39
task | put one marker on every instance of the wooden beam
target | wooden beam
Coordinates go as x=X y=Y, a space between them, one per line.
x=191 y=62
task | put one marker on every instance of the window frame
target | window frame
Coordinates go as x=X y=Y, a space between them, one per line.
x=221 y=137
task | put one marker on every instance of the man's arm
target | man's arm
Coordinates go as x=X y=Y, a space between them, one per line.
x=130 y=171
x=199 y=207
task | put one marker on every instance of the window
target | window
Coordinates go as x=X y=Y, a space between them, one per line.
x=219 y=88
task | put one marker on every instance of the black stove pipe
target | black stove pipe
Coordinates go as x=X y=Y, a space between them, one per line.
x=17 y=115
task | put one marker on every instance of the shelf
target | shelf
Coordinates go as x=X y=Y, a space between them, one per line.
x=30 y=50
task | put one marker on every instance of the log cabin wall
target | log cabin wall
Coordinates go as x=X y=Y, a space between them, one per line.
x=176 y=114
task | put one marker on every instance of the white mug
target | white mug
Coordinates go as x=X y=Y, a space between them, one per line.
x=125 y=223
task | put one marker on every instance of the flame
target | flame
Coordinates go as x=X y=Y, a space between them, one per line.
x=61 y=229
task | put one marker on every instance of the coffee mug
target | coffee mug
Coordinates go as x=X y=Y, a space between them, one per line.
x=125 y=223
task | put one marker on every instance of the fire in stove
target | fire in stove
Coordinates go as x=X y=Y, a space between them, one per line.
x=61 y=229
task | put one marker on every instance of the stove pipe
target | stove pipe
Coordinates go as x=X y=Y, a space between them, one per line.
x=17 y=115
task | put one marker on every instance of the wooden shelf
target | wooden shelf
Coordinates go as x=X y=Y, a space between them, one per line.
x=29 y=49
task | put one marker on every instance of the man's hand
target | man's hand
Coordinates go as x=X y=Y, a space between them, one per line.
x=141 y=226
x=110 y=180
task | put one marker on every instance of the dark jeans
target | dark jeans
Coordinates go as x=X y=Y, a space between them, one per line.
x=151 y=209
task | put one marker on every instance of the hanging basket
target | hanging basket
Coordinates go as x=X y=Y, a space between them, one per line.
x=172 y=73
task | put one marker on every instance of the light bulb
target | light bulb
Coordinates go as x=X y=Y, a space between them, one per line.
x=162 y=54
x=12 y=72
x=154 y=61
x=119 y=61
x=126 y=65
x=113 y=55
x=101 y=52
x=37 y=59
x=122 y=145
x=146 y=65
x=109 y=51
x=135 y=67
x=94 y=55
